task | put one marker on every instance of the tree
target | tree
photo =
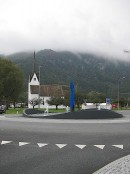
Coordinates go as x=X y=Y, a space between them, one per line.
x=67 y=98
x=56 y=101
x=11 y=78
x=122 y=102
x=96 y=97
x=34 y=102
x=23 y=99
x=79 y=97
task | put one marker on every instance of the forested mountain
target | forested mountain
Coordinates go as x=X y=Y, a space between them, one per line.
x=88 y=72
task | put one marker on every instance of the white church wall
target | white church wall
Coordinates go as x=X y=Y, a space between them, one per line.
x=34 y=80
x=44 y=99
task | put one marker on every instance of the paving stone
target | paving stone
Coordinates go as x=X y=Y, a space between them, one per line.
x=120 y=166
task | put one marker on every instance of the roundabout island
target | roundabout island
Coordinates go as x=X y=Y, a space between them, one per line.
x=82 y=114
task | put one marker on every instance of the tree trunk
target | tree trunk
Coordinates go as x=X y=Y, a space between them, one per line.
x=78 y=105
x=14 y=104
x=7 y=104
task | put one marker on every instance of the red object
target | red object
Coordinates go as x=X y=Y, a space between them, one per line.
x=114 y=105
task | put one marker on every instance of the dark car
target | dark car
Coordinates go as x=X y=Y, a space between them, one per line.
x=2 y=109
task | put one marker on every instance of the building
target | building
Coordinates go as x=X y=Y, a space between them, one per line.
x=43 y=92
x=98 y=106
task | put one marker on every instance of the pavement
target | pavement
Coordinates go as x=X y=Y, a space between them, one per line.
x=120 y=166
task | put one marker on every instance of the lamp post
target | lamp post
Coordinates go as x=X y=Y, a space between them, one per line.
x=126 y=51
x=119 y=91
x=39 y=89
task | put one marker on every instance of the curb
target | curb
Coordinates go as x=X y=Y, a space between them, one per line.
x=83 y=114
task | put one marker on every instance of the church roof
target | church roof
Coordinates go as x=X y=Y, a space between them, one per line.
x=48 y=90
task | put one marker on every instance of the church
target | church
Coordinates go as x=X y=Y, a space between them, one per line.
x=42 y=93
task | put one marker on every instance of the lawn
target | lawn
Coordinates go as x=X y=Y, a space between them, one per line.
x=14 y=111
x=57 y=111
x=20 y=110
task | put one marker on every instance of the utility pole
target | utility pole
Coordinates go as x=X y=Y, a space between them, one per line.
x=119 y=91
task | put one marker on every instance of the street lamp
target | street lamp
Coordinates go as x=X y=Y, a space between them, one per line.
x=119 y=90
x=126 y=51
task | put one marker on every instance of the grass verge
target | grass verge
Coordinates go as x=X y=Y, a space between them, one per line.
x=14 y=111
x=20 y=110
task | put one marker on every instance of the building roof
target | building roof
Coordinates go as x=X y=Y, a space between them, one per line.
x=48 y=90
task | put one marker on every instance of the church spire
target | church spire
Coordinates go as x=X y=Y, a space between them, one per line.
x=34 y=64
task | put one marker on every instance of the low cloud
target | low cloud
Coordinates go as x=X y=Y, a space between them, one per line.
x=100 y=27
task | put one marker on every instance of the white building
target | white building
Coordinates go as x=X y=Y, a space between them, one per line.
x=43 y=92
x=99 y=106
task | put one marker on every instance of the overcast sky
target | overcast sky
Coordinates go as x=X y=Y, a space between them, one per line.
x=94 y=26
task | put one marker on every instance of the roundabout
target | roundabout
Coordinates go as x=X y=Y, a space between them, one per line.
x=83 y=114
x=87 y=145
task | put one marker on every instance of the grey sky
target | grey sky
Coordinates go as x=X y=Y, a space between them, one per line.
x=99 y=26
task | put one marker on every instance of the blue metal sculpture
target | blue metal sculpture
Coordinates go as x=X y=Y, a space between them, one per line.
x=71 y=96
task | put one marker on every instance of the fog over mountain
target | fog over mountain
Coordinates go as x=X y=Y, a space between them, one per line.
x=100 y=27
x=87 y=71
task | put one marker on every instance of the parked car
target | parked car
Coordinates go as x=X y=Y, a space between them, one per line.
x=114 y=106
x=2 y=109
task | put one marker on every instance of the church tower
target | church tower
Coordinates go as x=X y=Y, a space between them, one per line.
x=34 y=64
x=43 y=92
x=34 y=79
x=33 y=82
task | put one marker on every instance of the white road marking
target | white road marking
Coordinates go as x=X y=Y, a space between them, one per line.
x=41 y=144
x=100 y=146
x=23 y=143
x=61 y=145
x=119 y=146
x=80 y=146
x=5 y=142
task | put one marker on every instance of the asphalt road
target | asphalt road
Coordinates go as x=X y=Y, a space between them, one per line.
x=35 y=146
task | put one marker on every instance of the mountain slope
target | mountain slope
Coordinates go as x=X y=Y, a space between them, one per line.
x=88 y=72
